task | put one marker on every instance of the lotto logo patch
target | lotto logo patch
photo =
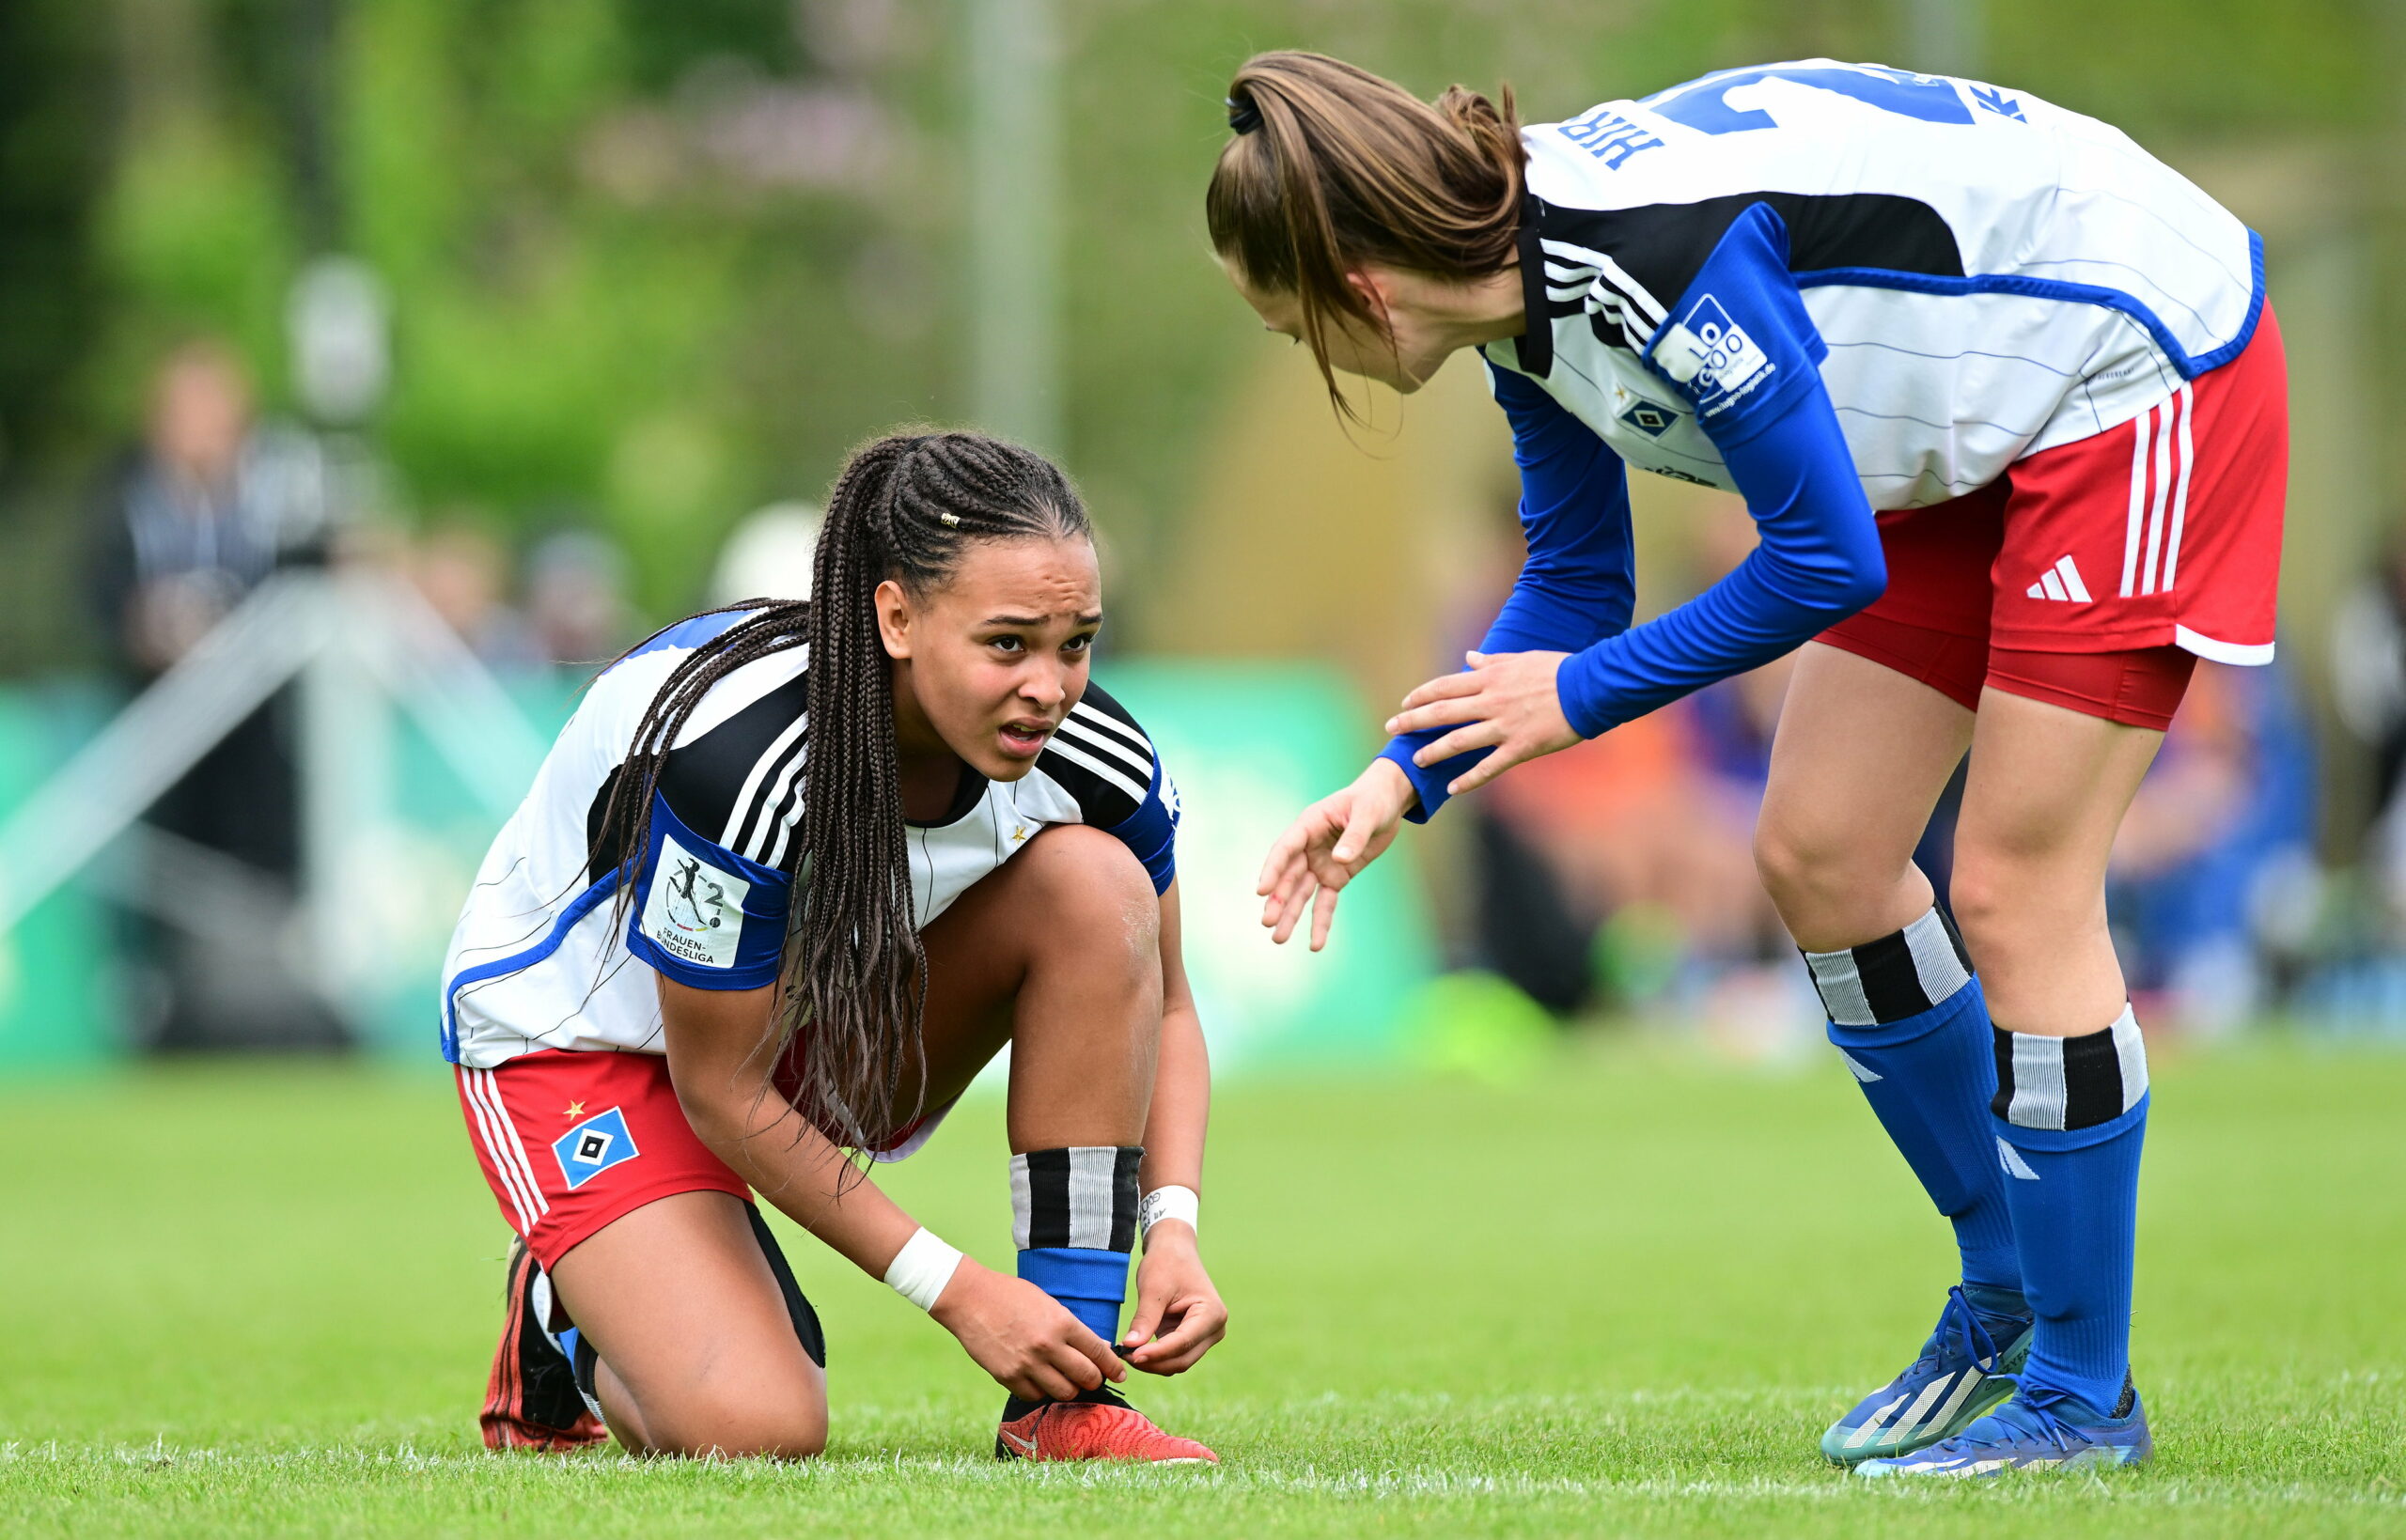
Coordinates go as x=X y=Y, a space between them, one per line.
x=593 y=1146
x=694 y=911
x=1713 y=357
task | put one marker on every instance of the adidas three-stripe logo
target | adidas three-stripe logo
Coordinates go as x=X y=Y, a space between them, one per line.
x=2061 y=583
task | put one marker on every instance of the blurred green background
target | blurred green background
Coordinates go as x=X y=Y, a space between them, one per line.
x=647 y=267
x=662 y=260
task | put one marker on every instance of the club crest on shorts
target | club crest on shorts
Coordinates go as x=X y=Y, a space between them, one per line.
x=593 y=1146
x=694 y=911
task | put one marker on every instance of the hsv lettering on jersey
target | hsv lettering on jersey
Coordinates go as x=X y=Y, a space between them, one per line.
x=696 y=910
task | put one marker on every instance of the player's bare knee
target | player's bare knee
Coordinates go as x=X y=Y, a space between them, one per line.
x=741 y=1428
x=1096 y=890
x=1811 y=876
x=2003 y=898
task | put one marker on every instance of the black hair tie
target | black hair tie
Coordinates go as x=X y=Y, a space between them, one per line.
x=1243 y=117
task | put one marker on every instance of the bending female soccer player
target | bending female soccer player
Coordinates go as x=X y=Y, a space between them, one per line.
x=689 y=970
x=2006 y=403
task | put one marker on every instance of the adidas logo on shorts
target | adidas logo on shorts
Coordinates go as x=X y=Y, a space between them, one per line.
x=2061 y=582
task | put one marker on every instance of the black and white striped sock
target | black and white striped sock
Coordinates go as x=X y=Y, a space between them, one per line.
x=1901 y=975
x=2070 y=1083
x=1081 y=1195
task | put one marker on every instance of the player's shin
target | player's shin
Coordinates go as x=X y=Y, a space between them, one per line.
x=1073 y=1216
x=1907 y=1015
x=2070 y=1116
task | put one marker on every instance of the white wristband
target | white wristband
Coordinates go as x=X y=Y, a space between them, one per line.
x=1167 y=1202
x=921 y=1268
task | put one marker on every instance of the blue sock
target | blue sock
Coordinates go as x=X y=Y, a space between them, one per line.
x=1091 y=1281
x=2069 y=1116
x=1909 y=1018
x=1073 y=1214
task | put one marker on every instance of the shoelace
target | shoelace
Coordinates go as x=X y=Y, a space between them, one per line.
x=1958 y=1324
x=2032 y=1410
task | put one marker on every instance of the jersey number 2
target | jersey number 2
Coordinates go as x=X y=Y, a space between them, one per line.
x=1700 y=104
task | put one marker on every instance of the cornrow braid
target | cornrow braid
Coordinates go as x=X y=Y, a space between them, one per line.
x=907 y=507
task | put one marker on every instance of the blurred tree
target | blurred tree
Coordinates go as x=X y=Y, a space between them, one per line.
x=53 y=112
x=657 y=261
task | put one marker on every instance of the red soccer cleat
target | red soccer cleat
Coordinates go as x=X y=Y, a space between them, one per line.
x=1105 y=1428
x=531 y=1399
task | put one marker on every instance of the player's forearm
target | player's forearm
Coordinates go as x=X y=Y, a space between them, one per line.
x=1181 y=1106
x=803 y=1172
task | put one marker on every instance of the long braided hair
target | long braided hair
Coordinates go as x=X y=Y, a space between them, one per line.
x=905 y=507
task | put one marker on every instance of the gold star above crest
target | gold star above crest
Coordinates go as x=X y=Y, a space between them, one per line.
x=575 y=1109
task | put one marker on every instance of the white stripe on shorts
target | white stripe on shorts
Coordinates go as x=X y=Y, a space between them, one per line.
x=502 y=1144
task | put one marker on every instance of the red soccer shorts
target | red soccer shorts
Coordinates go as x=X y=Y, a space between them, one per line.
x=571 y=1140
x=2072 y=578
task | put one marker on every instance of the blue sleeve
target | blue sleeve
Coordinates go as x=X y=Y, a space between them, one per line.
x=1742 y=350
x=702 y=914
x=1150 y=832
x=1579 y=583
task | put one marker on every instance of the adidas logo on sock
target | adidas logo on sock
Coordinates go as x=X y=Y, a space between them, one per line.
x=2016 y=1167
x=2061 y=582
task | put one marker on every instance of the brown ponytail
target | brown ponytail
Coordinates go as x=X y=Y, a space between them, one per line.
x=1334 y=168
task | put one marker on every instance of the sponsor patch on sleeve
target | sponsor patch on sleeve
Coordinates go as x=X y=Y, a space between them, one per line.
x=694 y=911
x=1713 y=358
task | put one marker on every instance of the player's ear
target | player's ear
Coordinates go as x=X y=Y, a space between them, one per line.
x=893 y=608
x=1379 y=290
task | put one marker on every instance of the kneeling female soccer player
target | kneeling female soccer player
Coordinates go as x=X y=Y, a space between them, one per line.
x=793 y=874
x=2006 y=402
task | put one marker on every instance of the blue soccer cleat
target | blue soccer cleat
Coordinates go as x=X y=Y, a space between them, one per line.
x=1965 y=1368
x=2039 y=1429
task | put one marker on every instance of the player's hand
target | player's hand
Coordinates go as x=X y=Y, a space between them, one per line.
x=1035 y=1348
x=1507 y=700
x=1175 y=1299
x=1326 y=845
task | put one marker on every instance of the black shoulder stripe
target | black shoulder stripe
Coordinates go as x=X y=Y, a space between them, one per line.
x=1114 y=750
x=1102 y=703
x=1102 y=799
x=704 y=779
x=1664 y=245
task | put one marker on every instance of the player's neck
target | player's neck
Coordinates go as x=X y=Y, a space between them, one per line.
x=1471 y=314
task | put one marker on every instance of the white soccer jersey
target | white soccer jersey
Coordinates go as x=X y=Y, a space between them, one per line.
x=538 y=960
x=1992 y=274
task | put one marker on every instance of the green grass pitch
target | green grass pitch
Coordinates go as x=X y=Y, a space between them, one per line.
x=1622 y=1299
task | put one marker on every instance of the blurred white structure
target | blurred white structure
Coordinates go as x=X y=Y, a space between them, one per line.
x=1016 y=217
x=362 y=646
x=769 y=555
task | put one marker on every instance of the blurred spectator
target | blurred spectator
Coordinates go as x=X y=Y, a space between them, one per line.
x=188 y=521
x=464 y=574
x=576 y=597
x=2368 y=669
x=769 y=555
x=2209 y=866
x=191 y=518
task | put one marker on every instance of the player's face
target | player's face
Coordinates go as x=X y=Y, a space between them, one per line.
x=1402 y=358
x=988 y=664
